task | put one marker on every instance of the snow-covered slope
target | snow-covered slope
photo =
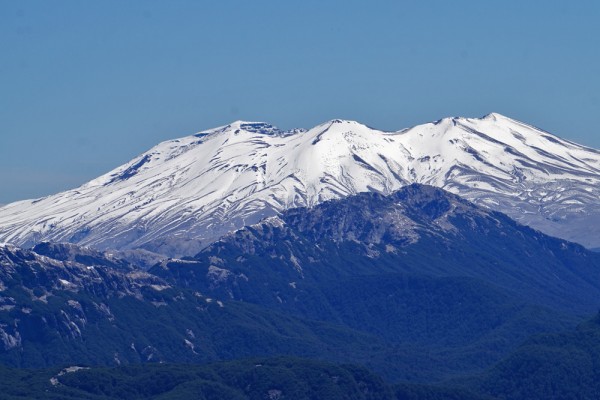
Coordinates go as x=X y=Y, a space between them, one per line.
x=183 y=193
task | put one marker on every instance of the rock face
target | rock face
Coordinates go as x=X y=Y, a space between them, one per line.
x=184 y=193
x=58 y=311
x=44 y=299
x=42 y=275
x=419 y=230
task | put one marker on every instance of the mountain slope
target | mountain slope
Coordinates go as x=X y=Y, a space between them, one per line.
x=550 y=366
x=417 y=230
x=55 y=312
x=420 y=268
x=396 y=283
x=184 y=193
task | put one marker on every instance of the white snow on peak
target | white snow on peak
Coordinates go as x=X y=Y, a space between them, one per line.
x=494 y=116
x=201 y=186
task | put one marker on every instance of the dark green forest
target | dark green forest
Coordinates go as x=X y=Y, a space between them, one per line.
x=562 y=366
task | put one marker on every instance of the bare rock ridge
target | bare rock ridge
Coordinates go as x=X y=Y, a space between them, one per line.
x=182 y=194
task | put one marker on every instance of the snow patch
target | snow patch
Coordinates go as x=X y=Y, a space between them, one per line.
x=217 y=275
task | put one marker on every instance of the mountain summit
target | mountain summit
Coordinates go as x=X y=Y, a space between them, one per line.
x=184 y=193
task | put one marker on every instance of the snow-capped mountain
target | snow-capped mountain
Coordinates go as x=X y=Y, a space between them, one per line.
x=183 y=193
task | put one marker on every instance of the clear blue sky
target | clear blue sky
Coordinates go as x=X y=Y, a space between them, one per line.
x=88 y=85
